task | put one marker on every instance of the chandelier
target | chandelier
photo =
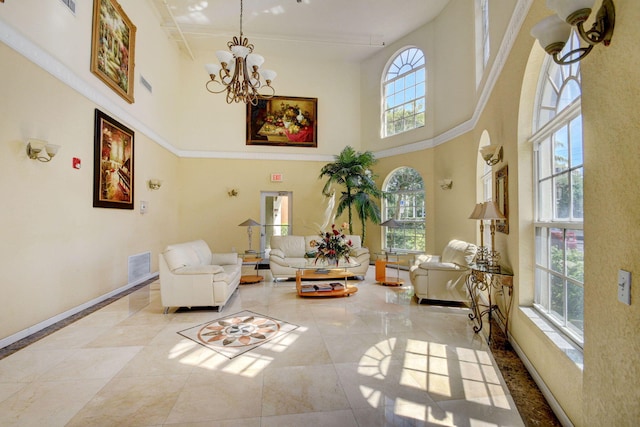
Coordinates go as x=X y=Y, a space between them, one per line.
x=239 y=73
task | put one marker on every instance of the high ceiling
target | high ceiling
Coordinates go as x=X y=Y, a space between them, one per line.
x=331 y=29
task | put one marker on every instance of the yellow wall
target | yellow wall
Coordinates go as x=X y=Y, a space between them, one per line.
x=58 y=252
x=611 y=88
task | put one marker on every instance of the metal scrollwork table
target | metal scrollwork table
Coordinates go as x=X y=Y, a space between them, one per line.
x=485 y=280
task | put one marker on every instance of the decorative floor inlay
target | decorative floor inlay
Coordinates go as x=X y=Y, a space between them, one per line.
x=238 y=333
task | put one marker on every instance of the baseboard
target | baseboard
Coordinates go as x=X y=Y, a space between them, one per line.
x=53 y=320
x=553 y=403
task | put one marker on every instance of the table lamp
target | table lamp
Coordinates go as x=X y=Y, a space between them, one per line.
x=249 y=223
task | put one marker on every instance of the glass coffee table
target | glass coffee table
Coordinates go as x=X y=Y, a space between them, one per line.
x=314 y=280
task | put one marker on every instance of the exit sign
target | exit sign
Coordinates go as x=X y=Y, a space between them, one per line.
x=276 y=177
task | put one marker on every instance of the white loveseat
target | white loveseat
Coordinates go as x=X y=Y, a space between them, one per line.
x=288 y=250
x=442 y=277
x=192 y=276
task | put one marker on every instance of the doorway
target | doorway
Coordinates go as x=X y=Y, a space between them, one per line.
x=276 y=212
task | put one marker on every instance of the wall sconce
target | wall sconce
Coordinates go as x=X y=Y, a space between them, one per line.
x=154 y=184
x=554 y=31
x=35 y=147
x=445 y=184
x=492 y=154
x=233 y=192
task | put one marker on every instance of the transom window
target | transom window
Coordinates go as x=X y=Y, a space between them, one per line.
x=404 y=91
x=404 y=201
x=559 y=208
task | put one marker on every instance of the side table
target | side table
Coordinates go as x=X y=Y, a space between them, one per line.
x=251 y=259
x=390 y=258
x=483 y=279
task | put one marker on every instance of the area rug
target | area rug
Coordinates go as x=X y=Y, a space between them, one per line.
x=238 y=333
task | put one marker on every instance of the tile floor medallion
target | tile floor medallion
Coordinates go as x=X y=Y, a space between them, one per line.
x=238 y=333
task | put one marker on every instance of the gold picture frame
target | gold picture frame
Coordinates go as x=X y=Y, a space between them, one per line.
x=113 y=44
x=502 y=198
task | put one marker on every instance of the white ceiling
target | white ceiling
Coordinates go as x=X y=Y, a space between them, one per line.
x=332 y=29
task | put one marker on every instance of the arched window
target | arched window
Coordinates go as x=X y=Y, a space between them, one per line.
x=404 y=201
x=404 y=89
x=558 y=186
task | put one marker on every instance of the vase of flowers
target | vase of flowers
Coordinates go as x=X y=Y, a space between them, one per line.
x=332 y=246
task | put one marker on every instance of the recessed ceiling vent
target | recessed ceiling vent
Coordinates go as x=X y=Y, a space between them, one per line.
x=71 y=4
x=146 y=84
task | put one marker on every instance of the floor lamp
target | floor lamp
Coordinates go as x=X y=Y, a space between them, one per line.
x=391 y=223
x=249 y=223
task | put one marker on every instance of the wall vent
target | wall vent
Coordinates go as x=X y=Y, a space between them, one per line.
x=139 y=266
x=146 y=84
x=71 y=4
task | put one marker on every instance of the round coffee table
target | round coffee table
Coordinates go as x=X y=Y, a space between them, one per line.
x=339 y=274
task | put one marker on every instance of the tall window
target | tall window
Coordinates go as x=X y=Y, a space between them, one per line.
x=404 y=201
x=483 y=43
x=404 y=92
x=559 y=209
x=484 y=7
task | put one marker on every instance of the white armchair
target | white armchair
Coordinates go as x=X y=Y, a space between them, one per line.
x=441 y=277
x=192 y=276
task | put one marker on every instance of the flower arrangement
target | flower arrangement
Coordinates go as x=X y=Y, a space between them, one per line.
x=333 y=245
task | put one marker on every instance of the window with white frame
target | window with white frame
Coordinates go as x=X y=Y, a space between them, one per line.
x=404 y=90
x=483 y=42
x=403 y=200
x=559 y=208
x=484 y=8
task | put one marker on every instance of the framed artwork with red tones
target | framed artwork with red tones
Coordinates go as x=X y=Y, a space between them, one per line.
x=113 y=47
x=113 y=163
x=283 y=121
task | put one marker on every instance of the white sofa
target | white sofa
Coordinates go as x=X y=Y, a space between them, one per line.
x=192 y=276
x=286 y=250
x=442 y=277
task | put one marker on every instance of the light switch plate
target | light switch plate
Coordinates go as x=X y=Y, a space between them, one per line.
x=624 y=287
x=143 y=207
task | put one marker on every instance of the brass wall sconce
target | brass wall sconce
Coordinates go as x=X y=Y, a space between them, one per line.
x=154 y=184
x=492 y=154
x=233 y=192
x=554 y=31
x=35 y=147
x=445 y=184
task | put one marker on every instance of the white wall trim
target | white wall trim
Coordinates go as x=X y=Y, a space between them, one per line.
x=62 y=316
x=18 y=42
x=555 y=406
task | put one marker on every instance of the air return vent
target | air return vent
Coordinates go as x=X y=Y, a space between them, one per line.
x=146 y=84
x=71 y=4
x=139 y=266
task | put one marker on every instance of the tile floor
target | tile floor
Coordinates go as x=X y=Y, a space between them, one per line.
x=374 y=359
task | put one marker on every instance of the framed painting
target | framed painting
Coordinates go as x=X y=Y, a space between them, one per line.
x=502 y=198
x=113 y=47
x=113 y=163
x=283 y=121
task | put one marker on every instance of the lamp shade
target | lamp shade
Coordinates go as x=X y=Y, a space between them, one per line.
x=248 y=223
x=564 y=8
x=477 y=211
x=552 y=33
x=212 y=69
x=391 y=223
x=491 y=211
